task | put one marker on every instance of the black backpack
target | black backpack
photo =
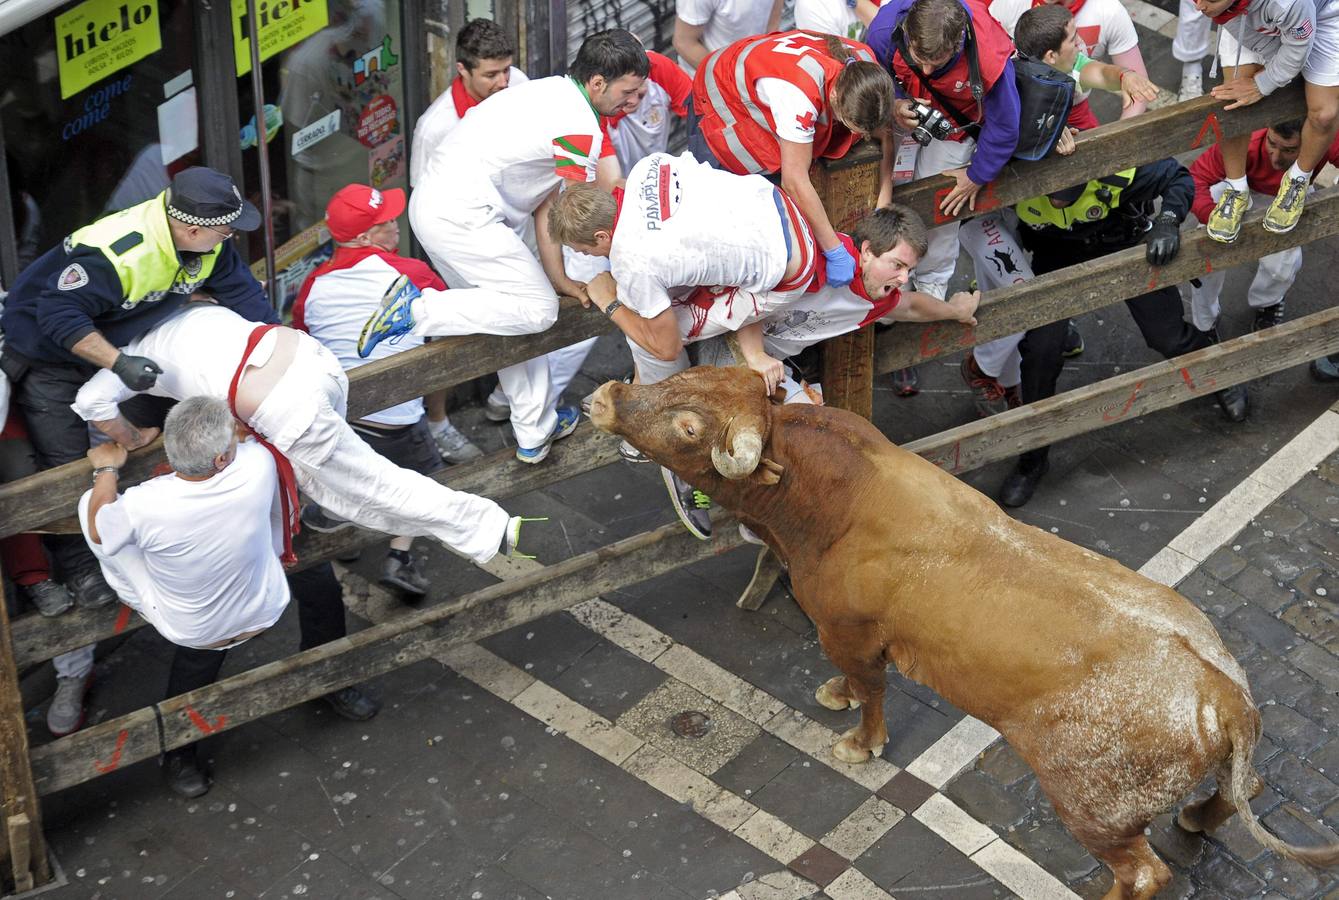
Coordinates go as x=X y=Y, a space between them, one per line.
x=1045 y=97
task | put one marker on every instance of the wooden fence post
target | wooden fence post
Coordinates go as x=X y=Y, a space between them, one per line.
x=23 y=859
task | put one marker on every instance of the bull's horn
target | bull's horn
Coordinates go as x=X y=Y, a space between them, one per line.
x=741 y=463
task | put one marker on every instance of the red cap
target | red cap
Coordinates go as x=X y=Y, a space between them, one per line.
x=357 y=207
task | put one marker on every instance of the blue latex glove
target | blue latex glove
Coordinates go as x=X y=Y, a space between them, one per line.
x=841 y=266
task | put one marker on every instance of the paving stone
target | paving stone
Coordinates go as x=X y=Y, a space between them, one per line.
x=1234 y=838
x=1317 y=497
x=1289 y=878
x=1316 y=623
x=1219 y=872
x=728 y=734
x=906 y=791
x=1264 y=630
x=1325 y=758
x=570 y=863
x=1222 y=564
x=1319 y=663
x=1053 y=848
x=1291 y=730
x=758 y=763
x=1260 y=589
x=324 y=875
x=545 y=648
x=1002 y=763
x=1296 y=826
x=1277 y=678
x=1241 y=647
x=1174 y=844
x=1320 y=584
x=1093 y=886
x=1210 y=595
x=810 y=797
x=909 y=848
x=819 y=865
x=1322 y=537
x=1319 y=706
x=986 y=800
x=1281 y=519
x=608 y=680
x=913 y=727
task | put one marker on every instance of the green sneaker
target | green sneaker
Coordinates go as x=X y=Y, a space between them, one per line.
x=693 y=506
x=1283 y=213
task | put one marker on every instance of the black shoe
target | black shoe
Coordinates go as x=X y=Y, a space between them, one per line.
x=1073 y=345
x=1326 y=368
x=317 y=519
x=352 y=704
x=1268 y=317
x=90 y=589
x=1019 y=487
x=907 y=382
x=183 y=774
x=1233 y=402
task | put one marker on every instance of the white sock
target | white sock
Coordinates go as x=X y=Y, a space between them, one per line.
x=1191 y=68
x=1237 y=184
x=1295 y=172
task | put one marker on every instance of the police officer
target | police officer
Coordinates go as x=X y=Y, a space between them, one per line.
x=1085 y=222
x=106 y=284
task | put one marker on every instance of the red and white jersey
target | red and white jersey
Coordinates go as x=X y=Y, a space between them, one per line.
x=684 y=224
x=793 y=320
x=637 y=135
x=725 y=21
x=339 y=297
x=443 y=115
x=1104 y=26
x=515 y=148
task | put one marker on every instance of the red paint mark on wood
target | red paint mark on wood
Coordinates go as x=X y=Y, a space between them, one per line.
x=122 y=619
x=1210 y=124
x=1153 y=278
x=205 y=726
x=1208 y=266
x=1109 y=416
x=954 y=455
x=1190 y=382
x=115 y=763
x=930 y=345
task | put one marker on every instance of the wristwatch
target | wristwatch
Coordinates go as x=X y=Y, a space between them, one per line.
x=101 y=469
x=613 y=308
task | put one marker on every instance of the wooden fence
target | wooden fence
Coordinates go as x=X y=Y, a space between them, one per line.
x=45 y=501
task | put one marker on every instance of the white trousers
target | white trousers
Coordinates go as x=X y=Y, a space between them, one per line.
x=1274 y=275
x=936 y=266
x=128 y=575
x=342 y=474
x=1000 y=261
x=500 y=288
x=1192 y=33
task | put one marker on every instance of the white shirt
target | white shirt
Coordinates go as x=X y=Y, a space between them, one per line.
x=646 y=131
x=338 y=306
x=828 y=17
x=685 y=224
x=791 y=110
x=513 y=149
x=1104 y=26
x=825 y=313
x=438 y=120
x=210 y=549
x=726 y=21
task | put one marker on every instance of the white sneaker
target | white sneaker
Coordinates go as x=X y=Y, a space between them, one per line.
x=452 y=444
x=497 y=408
x=1192 y=86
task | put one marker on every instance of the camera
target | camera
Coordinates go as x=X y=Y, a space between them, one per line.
x=933 y=126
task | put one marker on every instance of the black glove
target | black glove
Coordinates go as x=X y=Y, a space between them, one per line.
x=137 y=372
x=1164 y=239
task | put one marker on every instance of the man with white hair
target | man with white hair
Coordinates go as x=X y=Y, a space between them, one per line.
x=196 y=552
x=292 y=392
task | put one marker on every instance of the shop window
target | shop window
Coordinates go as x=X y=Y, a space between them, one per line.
x=98 y=106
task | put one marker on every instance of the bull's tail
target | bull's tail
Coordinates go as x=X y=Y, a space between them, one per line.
x=1239 y=788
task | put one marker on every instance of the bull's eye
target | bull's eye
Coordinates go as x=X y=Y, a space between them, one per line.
x=689 y=430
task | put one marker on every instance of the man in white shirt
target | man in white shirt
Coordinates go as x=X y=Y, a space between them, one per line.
x=196 y=552
x=293 y=392
x=499 y=169
x=484 y=55
x=702 y=26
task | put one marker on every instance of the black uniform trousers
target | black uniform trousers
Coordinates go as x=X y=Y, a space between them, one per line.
x=1158 y=315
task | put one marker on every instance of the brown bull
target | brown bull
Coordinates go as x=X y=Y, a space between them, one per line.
x=1116 y=690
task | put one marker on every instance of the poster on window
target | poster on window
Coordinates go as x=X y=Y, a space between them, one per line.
x=99 y=37
x=280 y=25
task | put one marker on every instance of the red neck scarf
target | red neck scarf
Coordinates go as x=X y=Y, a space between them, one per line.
x=1073 y=7
x=288 y=483
x=461 y=97
x=1227 y=15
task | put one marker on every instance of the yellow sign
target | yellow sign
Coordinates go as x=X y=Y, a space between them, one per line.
x=280 y=25
x=100 y=37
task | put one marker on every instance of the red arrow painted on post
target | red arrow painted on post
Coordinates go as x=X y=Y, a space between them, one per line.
x=204 y=724
x=105 y=767
x=1210 y=124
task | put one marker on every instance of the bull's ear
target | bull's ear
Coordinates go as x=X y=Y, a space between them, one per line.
x=768 y=472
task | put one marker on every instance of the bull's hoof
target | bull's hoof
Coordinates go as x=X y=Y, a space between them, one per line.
x=830 y=695
x=848 y=750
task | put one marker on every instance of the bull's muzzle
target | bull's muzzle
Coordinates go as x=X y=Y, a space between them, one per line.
x=740 y=455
